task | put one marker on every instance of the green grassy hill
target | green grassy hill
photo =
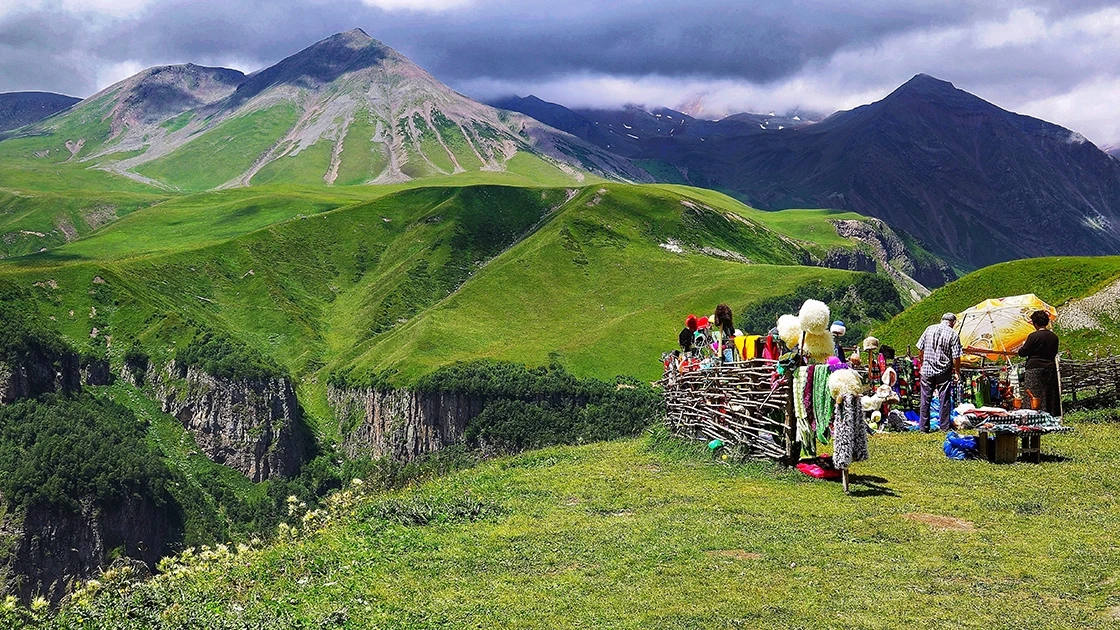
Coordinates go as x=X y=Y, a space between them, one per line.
x=641 y=534
x=596 y=288
x=1055 y=280
x=390 y=283
x=401 y=280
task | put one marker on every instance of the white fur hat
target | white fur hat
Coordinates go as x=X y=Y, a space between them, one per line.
x=844 y=382
x=814 y=316
x=789 y=329
x=819 y=346
x=871 y=343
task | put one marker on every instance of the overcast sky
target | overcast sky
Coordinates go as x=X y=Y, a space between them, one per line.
x=1055 y=59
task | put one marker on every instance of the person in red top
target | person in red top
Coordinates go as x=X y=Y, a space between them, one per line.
x=1041 y=377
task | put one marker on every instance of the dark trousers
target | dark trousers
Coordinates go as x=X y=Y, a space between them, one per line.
x=938 y=383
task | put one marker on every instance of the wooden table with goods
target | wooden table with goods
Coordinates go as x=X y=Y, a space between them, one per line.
x=1011 y=443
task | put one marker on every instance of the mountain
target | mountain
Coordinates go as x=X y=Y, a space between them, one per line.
x=23 y=108
x=630 y=130
x=346 y=110
x=976 y=183
x=1114 y=151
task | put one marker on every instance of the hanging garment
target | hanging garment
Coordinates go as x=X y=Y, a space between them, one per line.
x=804 y=432
x=849 y=432
x=770 y=349
x=807 y=397
x=822 y=407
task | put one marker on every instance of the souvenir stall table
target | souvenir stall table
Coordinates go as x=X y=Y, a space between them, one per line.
x=1004 y=438
x=995 y=402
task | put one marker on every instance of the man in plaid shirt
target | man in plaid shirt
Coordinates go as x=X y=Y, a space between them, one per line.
x=939 y=350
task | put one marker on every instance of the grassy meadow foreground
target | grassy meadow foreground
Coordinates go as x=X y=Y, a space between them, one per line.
x=649 y=533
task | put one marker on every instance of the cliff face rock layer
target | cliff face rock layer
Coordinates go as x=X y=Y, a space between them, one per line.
x=254 y=426
x=44 y=550
x=891 y=252
x=38 y=371
x=400 y=423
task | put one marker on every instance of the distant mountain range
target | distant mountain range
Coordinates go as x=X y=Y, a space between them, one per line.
x=23 y=108
x=629 y=131
x=973 y=182
x=346 y=110
x=976 y=183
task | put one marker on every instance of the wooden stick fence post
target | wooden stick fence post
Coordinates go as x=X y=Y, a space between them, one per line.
x=736 y=402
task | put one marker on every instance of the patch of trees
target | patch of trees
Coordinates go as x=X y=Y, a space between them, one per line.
x=868 y=300
x=60 y=451
x=224 y=357
x=22 y=330
x=536 y=407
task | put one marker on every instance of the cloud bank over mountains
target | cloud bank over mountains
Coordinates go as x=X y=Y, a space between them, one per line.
x=1057 y=60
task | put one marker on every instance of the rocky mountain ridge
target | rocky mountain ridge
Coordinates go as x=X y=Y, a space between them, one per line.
x=973 y=182
x=347 y=109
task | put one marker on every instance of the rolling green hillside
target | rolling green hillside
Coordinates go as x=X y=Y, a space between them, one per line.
x=595 y=288
x=387 y=284
x=643 y=534
x=31 y=221
x=392 y=282
x=1056 y=281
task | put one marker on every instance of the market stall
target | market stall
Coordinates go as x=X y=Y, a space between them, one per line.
x=794 y=395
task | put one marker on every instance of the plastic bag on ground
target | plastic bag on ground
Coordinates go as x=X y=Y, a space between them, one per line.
x=960 y=446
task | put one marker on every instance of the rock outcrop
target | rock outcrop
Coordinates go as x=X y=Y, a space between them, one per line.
x=36 y=372
x=96 y=372
x=850 y=259
x=889 y=250
x=43 y=550
x=254 y=426
x=400 y=423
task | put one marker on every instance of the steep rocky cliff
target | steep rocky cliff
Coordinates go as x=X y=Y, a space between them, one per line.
x=400 y=423
x=254 y=426
x=39 y=370
x=43 y=550
x=913 y=272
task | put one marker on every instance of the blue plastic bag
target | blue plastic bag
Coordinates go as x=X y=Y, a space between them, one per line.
x=959 y=446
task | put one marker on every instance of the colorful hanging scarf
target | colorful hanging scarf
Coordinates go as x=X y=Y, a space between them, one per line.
x=804 y=433
x=807 y=397
x=822 y=407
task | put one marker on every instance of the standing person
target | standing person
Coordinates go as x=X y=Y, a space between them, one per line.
x=688 y=334
x=838 y=330
x=939 y=350
x=1041 y=378
x=725 y=326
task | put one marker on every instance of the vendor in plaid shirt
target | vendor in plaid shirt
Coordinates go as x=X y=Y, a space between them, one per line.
x=939 y=350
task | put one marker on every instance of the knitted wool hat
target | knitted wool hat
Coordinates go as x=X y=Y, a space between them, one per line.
x=690 y=323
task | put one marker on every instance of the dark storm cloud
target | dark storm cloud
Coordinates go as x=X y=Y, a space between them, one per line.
x=759 y=41
x=799 y=51
x=37 y=51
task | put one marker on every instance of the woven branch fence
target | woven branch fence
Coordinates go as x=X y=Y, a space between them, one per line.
x=738 y=402
x=1095 y=378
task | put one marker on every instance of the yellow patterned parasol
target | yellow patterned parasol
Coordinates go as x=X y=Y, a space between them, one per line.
x=999 y=325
